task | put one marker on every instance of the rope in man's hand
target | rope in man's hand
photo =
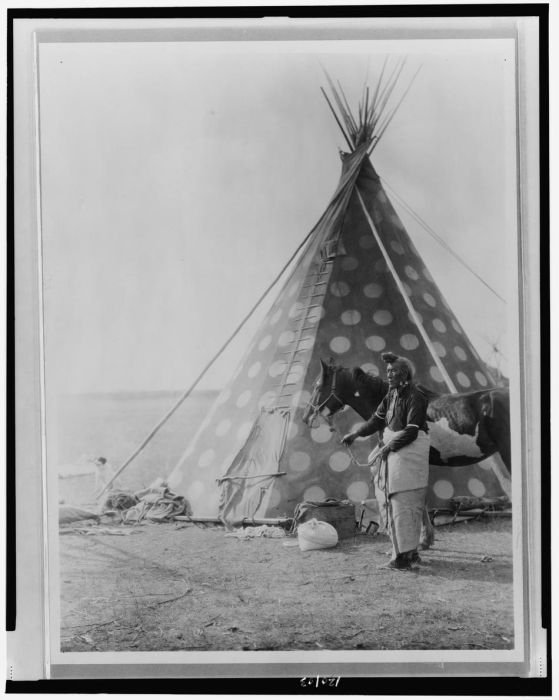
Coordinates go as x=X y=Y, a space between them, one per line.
x=380 y=456
x=348 y=440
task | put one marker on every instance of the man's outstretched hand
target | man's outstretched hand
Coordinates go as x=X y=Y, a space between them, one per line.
x=348 y=439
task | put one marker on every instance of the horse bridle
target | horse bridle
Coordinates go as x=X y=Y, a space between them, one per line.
x=317 y=408
x=317 y=411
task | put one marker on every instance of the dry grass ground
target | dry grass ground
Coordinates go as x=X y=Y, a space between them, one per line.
x=169 y=587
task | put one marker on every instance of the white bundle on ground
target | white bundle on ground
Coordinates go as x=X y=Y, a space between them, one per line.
x=316 y=534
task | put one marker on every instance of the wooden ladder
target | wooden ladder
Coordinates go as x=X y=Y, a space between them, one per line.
x=316 y=284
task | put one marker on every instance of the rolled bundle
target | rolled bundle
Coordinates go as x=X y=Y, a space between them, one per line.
x=316 y=534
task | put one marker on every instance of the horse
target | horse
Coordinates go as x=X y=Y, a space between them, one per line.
x=464 y=428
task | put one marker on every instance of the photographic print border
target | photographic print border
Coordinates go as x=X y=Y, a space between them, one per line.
x=27 y=446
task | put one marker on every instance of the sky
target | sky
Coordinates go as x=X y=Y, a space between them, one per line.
x=178 y=178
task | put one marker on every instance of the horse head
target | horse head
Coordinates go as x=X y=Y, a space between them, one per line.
x=337 y=387
x=325 y=400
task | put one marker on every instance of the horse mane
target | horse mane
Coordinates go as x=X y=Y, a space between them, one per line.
x=371 y=381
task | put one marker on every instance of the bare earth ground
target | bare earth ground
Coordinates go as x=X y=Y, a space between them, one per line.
x=175 y=586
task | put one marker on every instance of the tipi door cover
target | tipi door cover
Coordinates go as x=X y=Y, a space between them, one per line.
x=246 y=487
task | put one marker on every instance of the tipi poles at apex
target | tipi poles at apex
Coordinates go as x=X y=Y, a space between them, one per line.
x=373 y=113
x=373 y=118
x=373 y=121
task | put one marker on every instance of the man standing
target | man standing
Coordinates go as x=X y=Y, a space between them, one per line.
x=402 y=459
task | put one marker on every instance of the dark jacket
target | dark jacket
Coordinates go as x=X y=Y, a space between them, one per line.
x=402 y=409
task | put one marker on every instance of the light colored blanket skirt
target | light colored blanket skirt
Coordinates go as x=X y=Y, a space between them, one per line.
x=404 y=470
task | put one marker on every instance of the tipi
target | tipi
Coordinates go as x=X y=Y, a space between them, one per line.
x=359 y=288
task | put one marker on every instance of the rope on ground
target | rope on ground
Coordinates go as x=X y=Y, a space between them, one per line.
x=172 y=600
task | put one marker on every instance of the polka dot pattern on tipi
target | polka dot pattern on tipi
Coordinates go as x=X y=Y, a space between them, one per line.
x=342 y=301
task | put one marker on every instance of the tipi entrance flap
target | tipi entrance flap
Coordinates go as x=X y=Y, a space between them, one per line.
x=246 y=487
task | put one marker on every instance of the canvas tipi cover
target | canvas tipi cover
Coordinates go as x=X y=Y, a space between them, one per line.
x=359 y=288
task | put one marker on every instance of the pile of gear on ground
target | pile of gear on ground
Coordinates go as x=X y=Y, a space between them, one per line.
x=316 y=525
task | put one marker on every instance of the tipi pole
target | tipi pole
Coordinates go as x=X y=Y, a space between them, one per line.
x=439 y=239
x=353 y=122
x=387 y=90
x=377 y=87
x=382 y=129
x=408 y=303
x=336 y=118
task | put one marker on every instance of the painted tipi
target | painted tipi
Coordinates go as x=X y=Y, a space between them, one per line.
x=359 y=288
